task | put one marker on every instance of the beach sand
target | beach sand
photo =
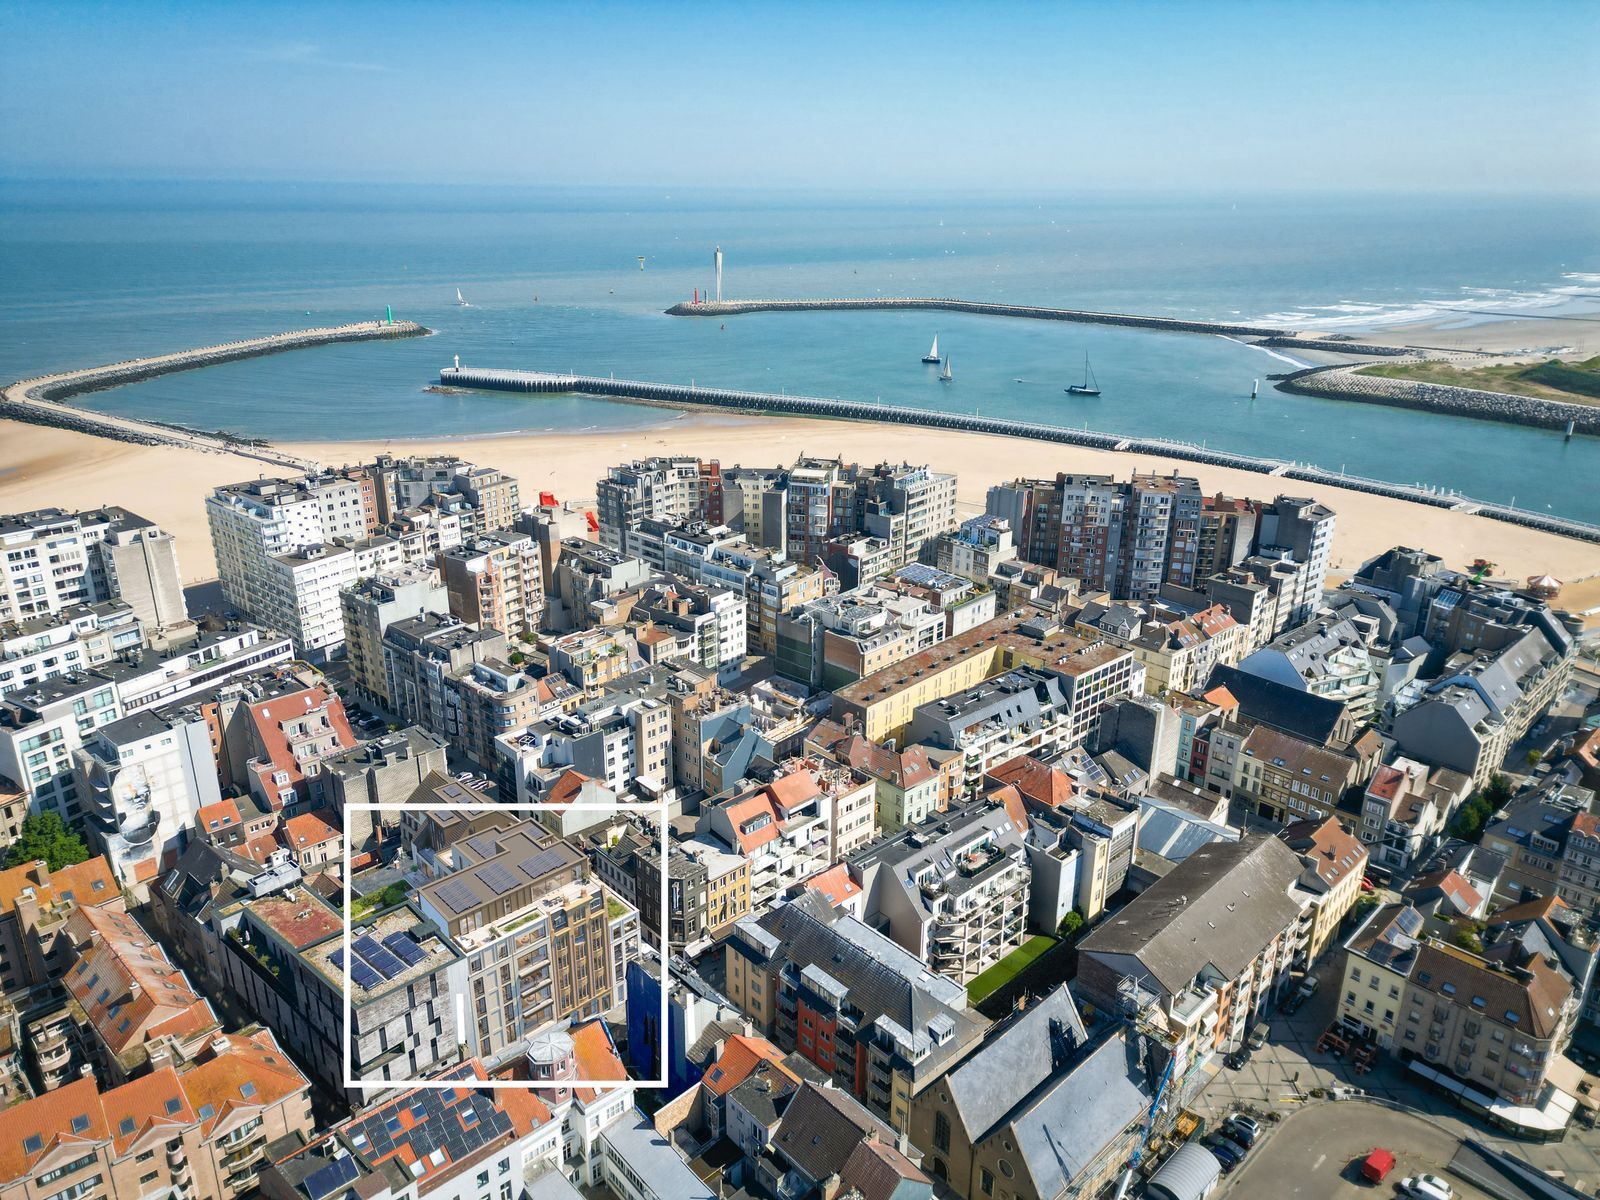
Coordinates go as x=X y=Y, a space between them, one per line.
x=40 y=467
x=1570 y=337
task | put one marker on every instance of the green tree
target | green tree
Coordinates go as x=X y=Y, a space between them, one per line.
x=1071 y=924
x=1534 y=758
x=45 y=836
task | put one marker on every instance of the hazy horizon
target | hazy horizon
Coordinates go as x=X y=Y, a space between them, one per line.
x=882 y=99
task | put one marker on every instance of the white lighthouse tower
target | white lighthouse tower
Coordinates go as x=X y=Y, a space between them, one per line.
x=717 y=261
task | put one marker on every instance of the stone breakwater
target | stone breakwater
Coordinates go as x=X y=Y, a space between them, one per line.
x=1345 y=383
x=731 y=308
x=679 y=396
x=39 y=400
x=1336 y=346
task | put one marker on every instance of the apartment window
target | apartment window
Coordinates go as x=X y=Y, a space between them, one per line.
x=986 y=1181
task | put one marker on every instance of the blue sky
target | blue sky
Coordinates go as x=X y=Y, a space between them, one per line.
x=1382 y=96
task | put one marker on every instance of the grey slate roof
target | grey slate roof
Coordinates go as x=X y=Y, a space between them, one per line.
x=1315 y=718
x=1220 y=906
x=1013 y=1060
x=1063 y=1130
x=821 y=1129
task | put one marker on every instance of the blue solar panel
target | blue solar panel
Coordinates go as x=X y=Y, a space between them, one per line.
x=329 y=1179
x=381 y=961
x=406 y=948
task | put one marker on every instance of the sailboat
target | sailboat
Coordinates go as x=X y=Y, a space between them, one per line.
x=1090 y=385
x=461 y=301
x=932 y=356
x=947 y=376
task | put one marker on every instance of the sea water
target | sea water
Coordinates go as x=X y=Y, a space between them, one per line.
x=93 y=273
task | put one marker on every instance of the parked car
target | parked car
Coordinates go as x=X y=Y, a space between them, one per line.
x=1238 y=1058
x=1259 y=1035
x=1248 y=1126
x=1233 y=1146
x=1426 y=1187
x=1226 y=1158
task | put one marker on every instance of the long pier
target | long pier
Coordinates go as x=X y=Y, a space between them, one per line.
x=693 y=396
x=731 y=308
x=39 y=400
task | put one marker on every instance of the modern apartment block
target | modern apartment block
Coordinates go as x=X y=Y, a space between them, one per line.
x=953 y=890
x=52 y=560
x=534 y=932
x=495 y=581
x=859 y=1007
x=74 y=639
x=1301 y=530
x=370 y=608
x=621 y=739
x=663 y=488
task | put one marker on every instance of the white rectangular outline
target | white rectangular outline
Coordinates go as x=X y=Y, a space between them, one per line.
x=658 y=809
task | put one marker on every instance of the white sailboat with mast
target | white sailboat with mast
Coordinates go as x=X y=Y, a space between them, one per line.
x=1090 y=385
x=947 y=375
x=461 y=301
x=932 y=356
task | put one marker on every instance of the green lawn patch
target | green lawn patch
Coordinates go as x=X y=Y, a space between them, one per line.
x=1008 y=968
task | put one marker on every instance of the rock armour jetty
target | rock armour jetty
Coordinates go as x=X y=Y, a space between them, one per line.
x=1345 y=383
x=692 y=396
x=39 y=400
x=730 y=308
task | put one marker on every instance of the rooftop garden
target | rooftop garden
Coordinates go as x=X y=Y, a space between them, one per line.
x=1008 y=968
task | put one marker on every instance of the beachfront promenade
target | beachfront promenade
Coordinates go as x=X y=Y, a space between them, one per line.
x=678 y=395
x=39 y=400
x=730 y=308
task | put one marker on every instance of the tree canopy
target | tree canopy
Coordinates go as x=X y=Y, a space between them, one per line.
x=46 y=836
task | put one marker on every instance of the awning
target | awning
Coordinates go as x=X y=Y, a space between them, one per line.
x=1550 y=1117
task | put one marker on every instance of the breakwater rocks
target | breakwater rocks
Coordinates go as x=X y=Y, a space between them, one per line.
x=39 y=401
x=730 y=308
x=1336 y=346
x=677 y=395
x=1346 y=383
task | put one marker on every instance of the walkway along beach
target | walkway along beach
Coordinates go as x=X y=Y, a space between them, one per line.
x=489 y=379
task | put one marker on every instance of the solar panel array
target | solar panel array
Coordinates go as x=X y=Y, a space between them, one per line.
x=382 y=961
x=500 y=879
x=406 y=948
x=457 y=895
x=324 y=1181
x=441 y=1125
x=363 y=975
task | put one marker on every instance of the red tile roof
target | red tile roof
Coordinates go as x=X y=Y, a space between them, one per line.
x=214 y=818
x=51 y=1117
x=88 y=883
x=125 y=985
x=741 y=1054
x=1039 y=782
x=251 y=1073
x=309 y=829
x=835 y=884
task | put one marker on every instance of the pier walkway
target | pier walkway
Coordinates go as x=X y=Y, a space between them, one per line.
x=40 y=400
x=730 y=308
x=678 y=395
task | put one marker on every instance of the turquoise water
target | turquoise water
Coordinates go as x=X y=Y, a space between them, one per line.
x=95 y=274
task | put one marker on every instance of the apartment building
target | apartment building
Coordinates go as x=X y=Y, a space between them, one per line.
x=1326 y=658
x=282 y=957
x=783 y=829
x=621 y=739
x=488 y=498
x=374 y=604
x=1300 y=530
x=533 y=930
x=1548 y=840
x=51 y=560
x=35 y=906
x=495 y=581
x=441 y=1142
x=1282 y=777
x=1210 y=944
x=586 y=576
x=976 y=547
x=141 y=781
x=859 y=1007
x=200 y=1128
x=1406 y=809
x=953 y=891
x=1379 y=957
x=908 y=785
x=1025 y=711
x=77 y=638
x=1335 y=862
x=708 y=624
x=1482 y=703
x=1178 y=652
x=882 y=704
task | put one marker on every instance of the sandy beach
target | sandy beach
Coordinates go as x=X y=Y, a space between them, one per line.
x=1571 y=337
x=40 y=467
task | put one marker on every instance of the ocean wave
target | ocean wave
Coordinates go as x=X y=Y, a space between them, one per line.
x=1471 y=302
